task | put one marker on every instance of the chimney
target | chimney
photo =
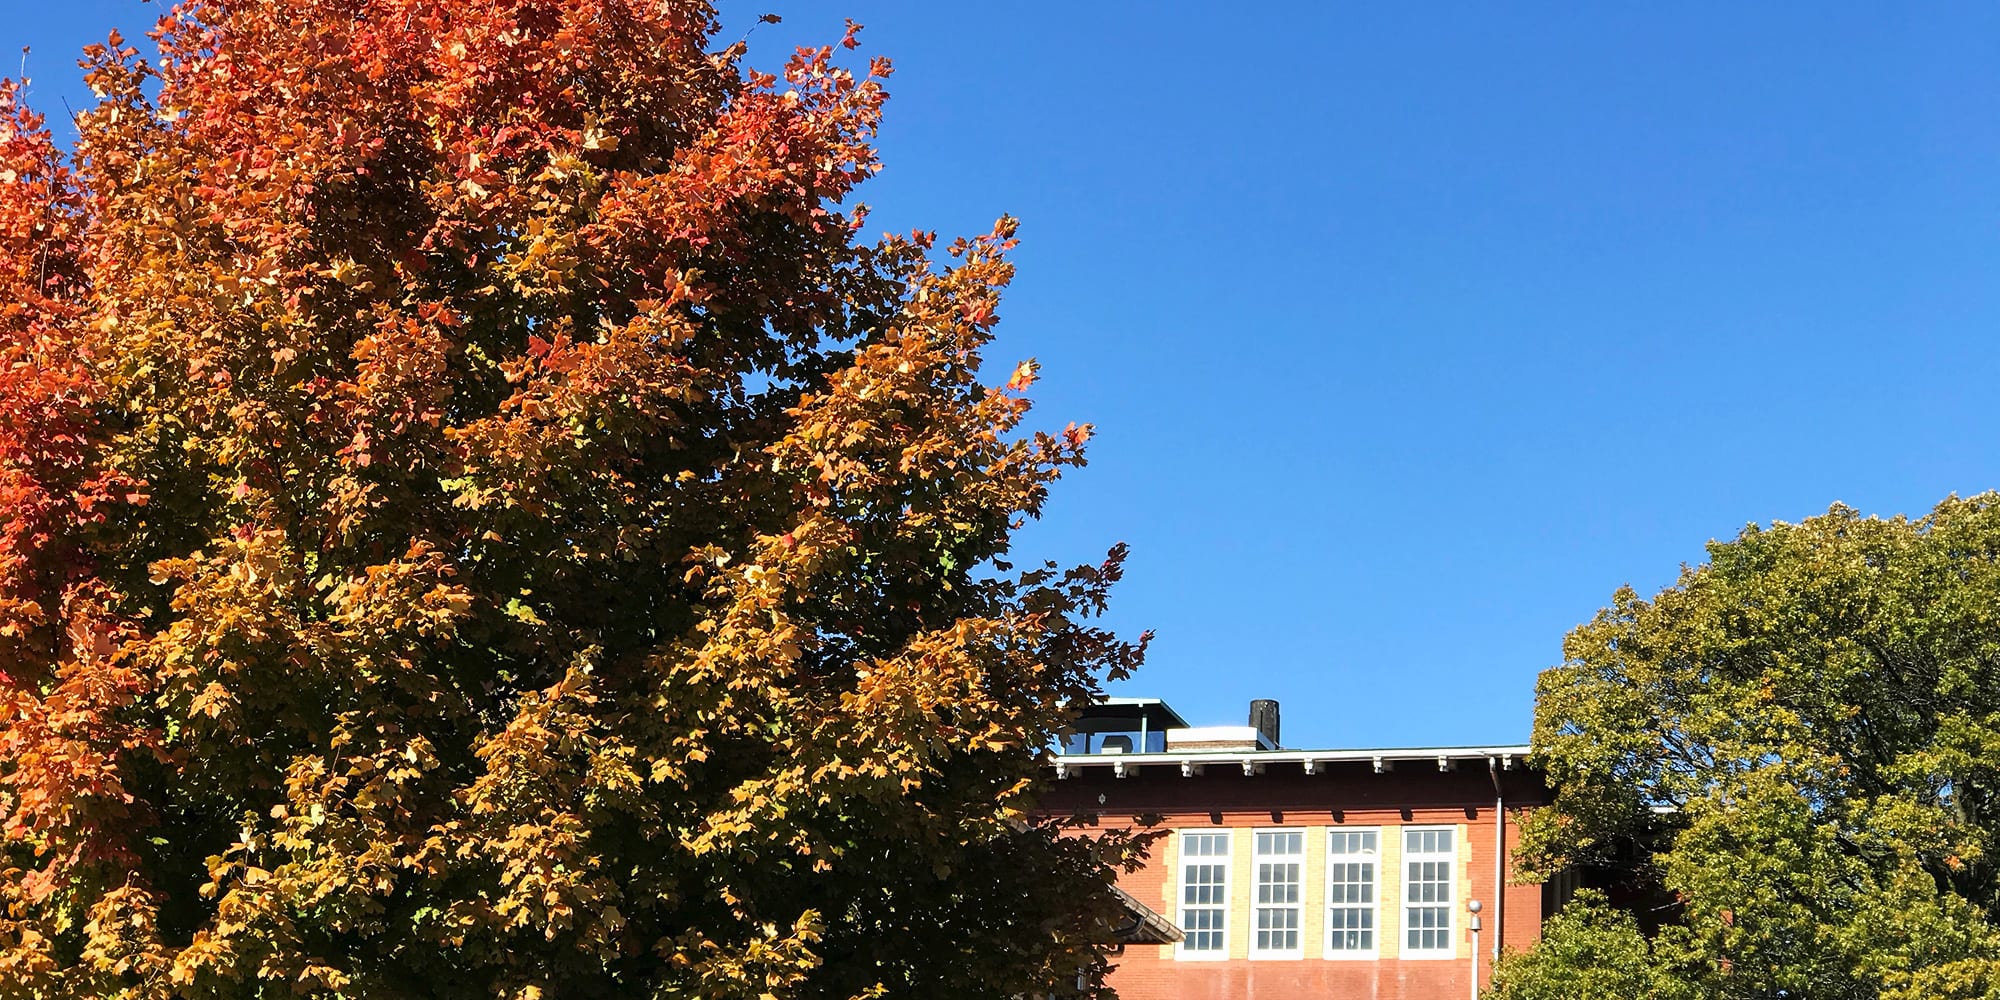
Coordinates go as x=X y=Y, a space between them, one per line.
x=1264 y=718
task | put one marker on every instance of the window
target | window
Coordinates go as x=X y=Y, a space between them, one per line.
x=1351 y=856
x=1205 y=895
x=1428 y=858
x=1280 y=858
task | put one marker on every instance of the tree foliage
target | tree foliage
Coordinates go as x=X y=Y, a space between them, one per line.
x=1800 y=743
x=477 y=520
x=1590 y=949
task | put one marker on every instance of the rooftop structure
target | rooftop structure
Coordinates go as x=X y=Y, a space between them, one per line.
x=1123 y=725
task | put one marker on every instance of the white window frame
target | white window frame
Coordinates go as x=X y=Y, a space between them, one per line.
x=1404 y=925
x=1374 y=904
x=1225 y=861
x=1298 y=908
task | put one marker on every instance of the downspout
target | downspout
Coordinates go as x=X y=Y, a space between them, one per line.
x=1499 y=856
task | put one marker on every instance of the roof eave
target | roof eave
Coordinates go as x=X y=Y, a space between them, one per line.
x=1504 y=757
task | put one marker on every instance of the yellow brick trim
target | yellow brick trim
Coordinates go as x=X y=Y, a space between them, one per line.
x=1242 y=885
x=1170 y=888
x=1460 y=919
x=1389 y=893
x=1312 y=895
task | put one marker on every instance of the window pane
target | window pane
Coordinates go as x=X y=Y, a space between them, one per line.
x=1351 y=842
x=1279 y=873
x=1350 y=891
x=1427 y=889
x=1204 y=891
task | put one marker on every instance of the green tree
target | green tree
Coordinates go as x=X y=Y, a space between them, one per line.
x=1589 y=950
x=1800 y=742
x=476 y=520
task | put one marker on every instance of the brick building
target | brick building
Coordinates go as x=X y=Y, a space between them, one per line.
x=1298 y=874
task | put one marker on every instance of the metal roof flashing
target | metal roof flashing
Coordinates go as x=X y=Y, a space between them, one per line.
x=1153 y=709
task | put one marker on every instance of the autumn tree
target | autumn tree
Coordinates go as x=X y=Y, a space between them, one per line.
x=478 y=519
x=1798 y=747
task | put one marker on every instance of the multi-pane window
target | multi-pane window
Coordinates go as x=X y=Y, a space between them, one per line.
x=1205 y=894
x=1280 y=857
x=1350 y=892
x=1428 y=858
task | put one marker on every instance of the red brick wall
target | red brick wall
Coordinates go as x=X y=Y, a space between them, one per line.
x=1348 y=796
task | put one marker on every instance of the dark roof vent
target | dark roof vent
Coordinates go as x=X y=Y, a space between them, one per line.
x=1264 y=719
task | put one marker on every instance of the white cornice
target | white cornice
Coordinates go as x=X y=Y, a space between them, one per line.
x=1193 y=762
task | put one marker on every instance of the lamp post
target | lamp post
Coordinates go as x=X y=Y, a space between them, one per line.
x=1473 y=907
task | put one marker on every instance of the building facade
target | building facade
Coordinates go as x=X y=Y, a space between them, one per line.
x=1298 y=873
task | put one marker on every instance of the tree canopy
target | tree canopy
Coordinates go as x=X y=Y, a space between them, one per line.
x=478 y=519
x=1797 y=749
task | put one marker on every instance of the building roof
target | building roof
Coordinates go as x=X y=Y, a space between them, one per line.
x=1190 y=762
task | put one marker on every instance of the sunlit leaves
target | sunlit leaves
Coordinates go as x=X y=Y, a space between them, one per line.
x=477 y=520
x=1788 y=758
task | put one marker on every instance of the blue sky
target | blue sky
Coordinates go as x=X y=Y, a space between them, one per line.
x=1411 y=331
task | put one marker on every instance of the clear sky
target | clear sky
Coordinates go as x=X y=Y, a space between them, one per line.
x=1411 y=331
